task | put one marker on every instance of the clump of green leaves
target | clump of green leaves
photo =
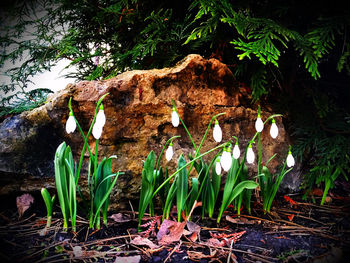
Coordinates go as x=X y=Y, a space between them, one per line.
x=101 y=179
x=205 y=186
x=66 y=182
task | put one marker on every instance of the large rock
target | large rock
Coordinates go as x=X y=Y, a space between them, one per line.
x=138 y=110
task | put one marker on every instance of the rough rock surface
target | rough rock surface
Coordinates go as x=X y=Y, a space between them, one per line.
x=138 y=110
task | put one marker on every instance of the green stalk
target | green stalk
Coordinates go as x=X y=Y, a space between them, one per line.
x=205 y=136
x=261 y=181
x=49 y=204
x=164 y=147
x=207 y=172
x=187 y=164
x=276 y=186
x=97 y=212
x=189 y=135
x=85 y=138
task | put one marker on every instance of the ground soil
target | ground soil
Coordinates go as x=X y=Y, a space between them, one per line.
x=314 y=234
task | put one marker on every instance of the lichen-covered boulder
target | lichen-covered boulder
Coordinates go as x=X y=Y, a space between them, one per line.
x=138 y=111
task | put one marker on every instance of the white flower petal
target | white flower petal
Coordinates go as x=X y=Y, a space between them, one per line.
x=175 y=119
x=70 y=124
x=226 y=160
x=259 y=125
x=218 y=168
x=250 y=155
x=274 y=130
x=217 y=133
x=290 y=160
x=169 y=153
x=100 y=119
x=236 y=152
x=96 y=131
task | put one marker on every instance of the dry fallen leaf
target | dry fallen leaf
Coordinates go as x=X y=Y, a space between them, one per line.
x=197 y=256
x=194 y=230
x=175 y=233
x=23 y=203
x=120 y=218
x=141 y=241
x=240 y=220
x=213 y=242
x=132 y=259
x=164 y=228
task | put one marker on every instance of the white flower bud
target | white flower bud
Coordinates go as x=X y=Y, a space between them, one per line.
x=70 y=124
x=273 y=129
x=250 y=154
x=226 y=159
x=218 y=167
x=169 y=152
x=259 y=125
x=290 y=160
x=96 y=131
x=217 y=132
x=100 y=118
x=175 y=118
x=236 y=151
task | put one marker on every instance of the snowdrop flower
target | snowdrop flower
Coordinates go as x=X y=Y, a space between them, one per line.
x=290 y=159
x=273 y=129
x=236 y=151
x=97 y=131
x=100 y=118
x=175 y=118
x=169 y=152
x=259 y=125
x=218 y=166
x=70 y=124
x=250 y=154
x=217 y=132
x=226 y=159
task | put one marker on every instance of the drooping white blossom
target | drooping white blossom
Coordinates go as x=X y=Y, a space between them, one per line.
x=250 y=154
x=218 y=166
x=217 y=132
x=175 y=120
x=70 y=124
x=259 y=125
x=236 y=151
x=96 y=131
x=169 y=152
x=290 y=159
x=273 y=129
x=100 y=117
x=226 y=159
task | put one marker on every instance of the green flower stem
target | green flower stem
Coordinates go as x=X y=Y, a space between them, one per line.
x=85 y=138
x=207 y=172
x=189 y=135
x=276 y=186
x=259 y=153
x=252 y=140
x=187 y=164
x=204 y=137
x=208 y=128
x=95 y=162
x=164 y=147
x=48 y=221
